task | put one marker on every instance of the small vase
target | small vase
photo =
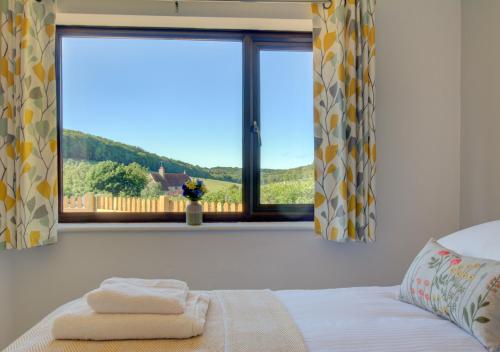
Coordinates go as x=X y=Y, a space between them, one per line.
x=194 y=213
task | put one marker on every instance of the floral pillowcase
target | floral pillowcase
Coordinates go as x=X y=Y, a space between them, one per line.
x=464 y=290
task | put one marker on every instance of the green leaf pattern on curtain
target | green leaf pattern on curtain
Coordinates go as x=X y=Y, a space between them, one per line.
x=28 y=132
x=344 y=120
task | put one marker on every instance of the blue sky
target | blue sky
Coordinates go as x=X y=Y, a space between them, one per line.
x=182 y=99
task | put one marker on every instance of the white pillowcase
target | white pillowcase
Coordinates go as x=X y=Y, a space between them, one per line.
x=481 y=241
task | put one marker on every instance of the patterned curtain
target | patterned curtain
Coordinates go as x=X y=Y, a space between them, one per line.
x=344 y=120
x=28 y=133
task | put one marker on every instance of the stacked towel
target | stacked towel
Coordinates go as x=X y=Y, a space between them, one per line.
x=82 y=323
x=134 y=309
x=139 y=296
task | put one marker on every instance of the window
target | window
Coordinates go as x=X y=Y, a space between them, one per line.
x=141 y=111
x=286 y=144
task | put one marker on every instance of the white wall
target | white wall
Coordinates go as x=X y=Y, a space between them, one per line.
x=6 y=299
x=186 y=8
x=480 y=169
x=418 y=135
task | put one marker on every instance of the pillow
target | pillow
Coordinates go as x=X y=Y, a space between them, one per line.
x=464 y=290
x=482 y=241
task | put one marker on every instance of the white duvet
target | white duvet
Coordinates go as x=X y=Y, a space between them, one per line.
x=371 y=319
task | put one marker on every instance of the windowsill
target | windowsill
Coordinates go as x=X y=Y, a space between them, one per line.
x=181 y=227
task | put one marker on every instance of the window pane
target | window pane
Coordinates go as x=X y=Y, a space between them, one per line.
x=140 y=116
x=286 y=121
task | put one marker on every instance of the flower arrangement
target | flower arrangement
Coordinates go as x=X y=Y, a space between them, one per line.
x=194 y=189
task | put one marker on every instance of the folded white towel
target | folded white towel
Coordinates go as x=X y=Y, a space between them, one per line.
x=80 y=322
x=139 y=296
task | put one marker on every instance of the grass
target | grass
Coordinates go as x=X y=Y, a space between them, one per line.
x=218 y=185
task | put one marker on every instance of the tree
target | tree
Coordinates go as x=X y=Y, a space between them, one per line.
x=152 y=190
x=117 y=179
x=75 y=177
x=231 y=194
x=288 y=192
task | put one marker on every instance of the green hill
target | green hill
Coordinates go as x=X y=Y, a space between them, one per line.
x=233 y=174
x=294 y=174
x=83 y=146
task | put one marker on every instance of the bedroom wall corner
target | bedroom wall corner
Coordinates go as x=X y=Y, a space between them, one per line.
x=480 y=139
x=6 y=299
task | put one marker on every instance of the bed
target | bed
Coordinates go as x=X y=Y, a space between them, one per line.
x=335 y=320
x=371 y=319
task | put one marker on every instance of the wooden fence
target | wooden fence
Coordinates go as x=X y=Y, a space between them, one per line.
x=91 y=202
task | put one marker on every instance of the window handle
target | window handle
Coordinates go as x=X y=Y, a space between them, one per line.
x=256 y=130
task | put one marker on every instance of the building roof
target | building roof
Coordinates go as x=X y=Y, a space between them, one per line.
x=169 y=180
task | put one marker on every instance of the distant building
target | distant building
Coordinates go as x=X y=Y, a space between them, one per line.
x=170 y=183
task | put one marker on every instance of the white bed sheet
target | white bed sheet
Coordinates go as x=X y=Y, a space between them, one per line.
x=371 y=319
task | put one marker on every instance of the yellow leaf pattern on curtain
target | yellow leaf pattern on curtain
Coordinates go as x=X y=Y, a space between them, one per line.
x=28 y=151
x=344 y=120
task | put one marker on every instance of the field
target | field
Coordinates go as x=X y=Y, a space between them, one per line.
x=280 y=192
x=218 y=185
